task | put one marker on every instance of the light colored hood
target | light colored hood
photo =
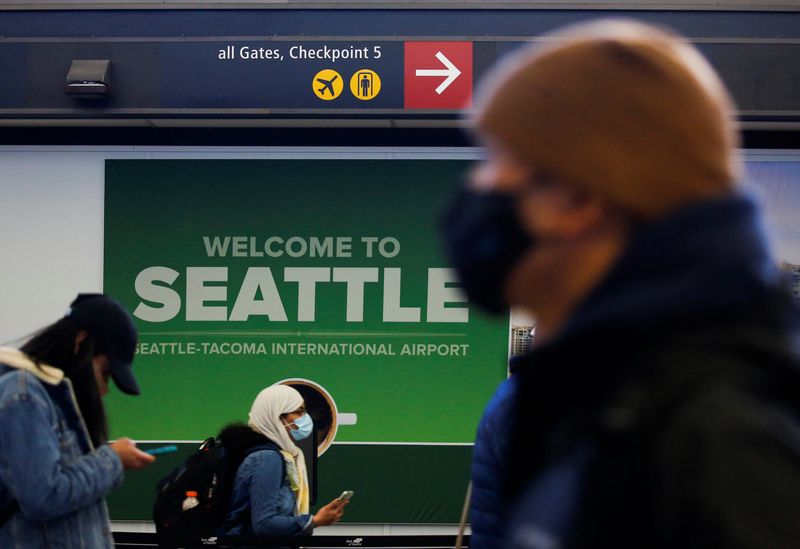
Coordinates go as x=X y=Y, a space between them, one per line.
x=19 y=360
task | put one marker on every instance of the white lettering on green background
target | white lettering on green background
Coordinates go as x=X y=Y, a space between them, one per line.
x=206 y=287
x=298 y=246
x=206 y=294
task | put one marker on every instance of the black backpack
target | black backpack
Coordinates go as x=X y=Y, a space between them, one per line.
x=210 y=471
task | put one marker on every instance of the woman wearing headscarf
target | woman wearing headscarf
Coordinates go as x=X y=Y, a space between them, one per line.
x=270 y=491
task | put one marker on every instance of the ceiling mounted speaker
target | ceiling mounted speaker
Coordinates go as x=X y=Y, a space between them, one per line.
x=89 y=79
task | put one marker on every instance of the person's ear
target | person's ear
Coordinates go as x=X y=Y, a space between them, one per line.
x=80 y=338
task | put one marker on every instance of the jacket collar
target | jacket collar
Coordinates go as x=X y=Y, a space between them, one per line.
x=708 y=258
x=19 y=360
x=708 y=264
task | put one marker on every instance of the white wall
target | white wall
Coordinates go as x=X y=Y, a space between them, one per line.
x=51 y=222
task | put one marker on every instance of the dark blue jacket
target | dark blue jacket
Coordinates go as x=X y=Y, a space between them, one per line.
x=488 y=507
x=665 y=414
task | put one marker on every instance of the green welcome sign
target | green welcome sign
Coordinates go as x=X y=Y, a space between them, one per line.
x=243 y=273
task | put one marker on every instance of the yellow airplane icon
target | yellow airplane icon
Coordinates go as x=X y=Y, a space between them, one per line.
x=327 y=85
x=331 y=84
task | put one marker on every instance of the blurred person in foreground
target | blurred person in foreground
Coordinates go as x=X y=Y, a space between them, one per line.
x=659 y=406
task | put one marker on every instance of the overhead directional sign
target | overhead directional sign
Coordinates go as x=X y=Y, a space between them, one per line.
x=282 y=75
x=237 y=64
x=437 y=75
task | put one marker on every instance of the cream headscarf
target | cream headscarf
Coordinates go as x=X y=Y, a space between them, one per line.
x=265 y=418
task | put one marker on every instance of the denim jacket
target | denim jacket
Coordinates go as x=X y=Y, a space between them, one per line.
x=262 y=503
x=48 y=464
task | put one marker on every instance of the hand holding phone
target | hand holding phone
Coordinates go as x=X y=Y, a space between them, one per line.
x=130 y=456
x=333 y=512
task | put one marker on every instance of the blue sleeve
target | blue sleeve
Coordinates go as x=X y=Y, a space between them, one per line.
x=488 y=506
x=267 y=502
x=31 y=463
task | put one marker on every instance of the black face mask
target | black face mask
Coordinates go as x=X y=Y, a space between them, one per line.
x=484 y=241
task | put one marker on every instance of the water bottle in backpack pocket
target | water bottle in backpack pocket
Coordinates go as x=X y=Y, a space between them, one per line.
x=192 y=501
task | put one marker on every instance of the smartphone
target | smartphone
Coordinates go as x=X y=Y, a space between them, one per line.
x=162 y=450
x=346 y=495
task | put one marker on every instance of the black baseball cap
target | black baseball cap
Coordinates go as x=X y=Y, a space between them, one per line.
x=112 y=327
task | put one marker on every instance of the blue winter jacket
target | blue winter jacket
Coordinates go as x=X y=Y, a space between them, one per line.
x=47 y=462
x=665 y=413
x=262 y=503
x=489 y=508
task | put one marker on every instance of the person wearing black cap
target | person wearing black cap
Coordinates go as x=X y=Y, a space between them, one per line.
x=55 y=464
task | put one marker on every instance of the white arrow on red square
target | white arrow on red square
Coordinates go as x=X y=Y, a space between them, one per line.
x=451 y=72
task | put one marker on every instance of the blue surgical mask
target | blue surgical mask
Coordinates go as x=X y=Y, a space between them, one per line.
x=484 y=241
x=304 y=426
